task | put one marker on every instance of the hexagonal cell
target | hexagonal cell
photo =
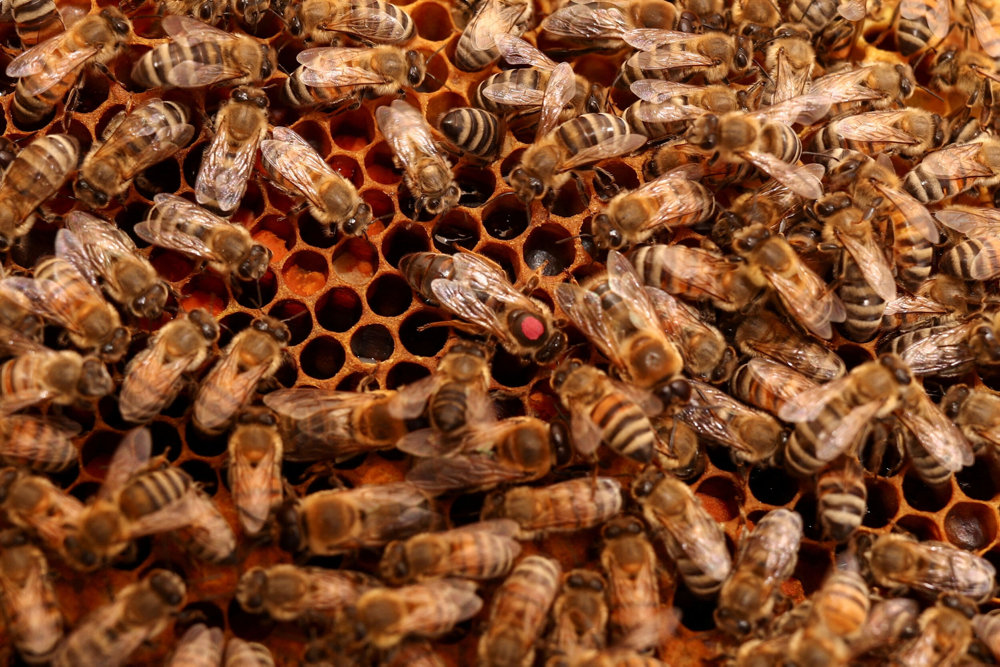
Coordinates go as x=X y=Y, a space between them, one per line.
x=922 y=497
x=166 y=439
x=95 y=455
x=971 y=525
x=883 y=503
x=772 y=486
x=315 y=233
x=349 y=168
x=504 y=256
x=511 y=371
x=505 y=217
x=622 y=175
x=697 y=616
x=205 y=445
x=511 y=162
x=296 y=317
x=403 y=239
x=372 y=343
x=437 y=73
x=418 y=340
x=205 y=290
x=352 y=130
x=315 y=135
x=379 y=165
x=405 y=373
x=549 y=246
x=720 y=497
x=477 y=185
x=433 y=21
x=383 y=210
x=202 y=473
x=981 y=480
x=257 y=293
x=921 y=527
x=251 y=627
x=192 y=163
x=305 y=272
x=161 y=177
x=389 y=295
x=322 y=358
x=355 y=261
x=172 y=266
x=456 y=228
x=339 y=309
x=806 y=506
x=813 y=564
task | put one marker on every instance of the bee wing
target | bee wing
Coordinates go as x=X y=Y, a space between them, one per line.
x=156 y=378
x=846 y=432
x=786 y=382
x=802 y=182
x=517 y=51
x=664 y=59
x=789 y=81
x=936 y=14
x=956 y=162
x=871 y=261
x=701 y=414
x=331 y=66
x=583 y=308
x=915 y=304
x=69 y=247
x=485 y=276
x=854 y=10
x=845 y=86
x=131 y=456
x=407 y=132
x=223 y=175
x=648 y=39
x=667 y=112
x=807 y=405
x=295 y=160
x=494 y=18
x=304 y=402
x=613 y=147
x=659 y=92
x=699 y=269
x=804 y=109
x=466 y=303
x=941 y=351
x=938 y=434
x=984 y=264
x=167 y=137
x=497 y=527
x=48 y=63
x=100 y=242
x=193 y=31
x=915 y=213
x=424 y=443
x=579 y=21
x=586 y=434
x=21 y=399
x=53 y=302
x=970 y=221
x=678 y=320
x=228 y=376
x=255 y=486
x=468 y=471
x=173 y=206
x=663 y=189
x=809 y=301
x=703 y=543
x=360 y=20
x=511 y=94
x=875 y=126
x=409 y=401
x=13 y=342
x=559 y=92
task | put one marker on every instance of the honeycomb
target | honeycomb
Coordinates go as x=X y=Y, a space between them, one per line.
x=355 y=323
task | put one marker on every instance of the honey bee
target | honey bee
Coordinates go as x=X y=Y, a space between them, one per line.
x=255 y=454
x=106 y=256
x=154 y=377
x=789 y=59
x=334 y=76
x=714 y=55
x=580 y=613
x=207 y=11
x=841 y=497
x=768 y=384
x=602 y=25
x=976 y=411
x=771 y=262
x=474 y=131
x=755 y=18
x=287 y=592
x=205 y=534
x=707 y=356
x=297 y=168
x=546 y=164
x=665 y=107
x=887 y=622
x=132 y=142
x=478 y=290
x=249 y=12
x=177 y=224
x=484 y=550
x=909 y=132
x=975 y=257
x=948 y=348
x=240 y=126
x=388 y=615
x=39 y=374
x=917 y=23
x=633 y=591
x=477 y=46
x=603 y=410
x=251 y=356
x=36 y=504
x=518 y=613
x=30 y=606
x=672 y=200
x=564 y=507
x=43 y=444
x=985 y=626
x=677 y=153
x=519 y=449
x=35 y=20
x=816 y=15
x=322 y=21
x=331 y=522
x=617 y=315
x=694 y=540
x=764 y=559
x=49 y=70
x=765 y=335
x=199 y=646
x=37 y=173
x=198 y=55
x=426 y=172
x=841 y=604
x=240 y=653
x=943 y=638
x=949 y=171
x=750 y=436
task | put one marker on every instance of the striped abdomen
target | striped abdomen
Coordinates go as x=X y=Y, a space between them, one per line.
x=529 y=78
x=300 y=95
x=35 y=175
x=36 y=20
x=624 y=426
x=384 y=22
x=153 y=491
x=589 y=130
x=473 y=131
x=800 y=452
x=36 y=443
x=911 y=251
x=31 y=107
x=633 y=590
x=781 y=141
x=863 y=305
x=154 y=69
x=959 y=259
x=912 y=35
x=422 y=268
x=814 y=15
x=841 y=497
x=926 y=466
x=447 y=407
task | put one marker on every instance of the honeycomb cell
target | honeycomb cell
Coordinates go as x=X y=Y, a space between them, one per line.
x=697 y=616
x=95 y=455
x=437 y=73
x=257 y=293
x=315 y=135
x=356 y=382
x=433 y=21
x=296 y=317
x=854 y=355
x=511 y=371
x=404 y=373
x=721 y=459
x=202 y=611
x=205 y=445
x=477 y=186
x=251 y=627
x=813 y=564
x=286 y=375
x=355 y=261
x=883 y=503
x=971 y=526
x=772 y=486
x=441 y=103
x=349 y=168
x=192 y=163
x=316 y=234
x=922 y=497
x=372 y=343
x=505 y=217
x=389 y=295
x=455 y=228
x=921 y=527
x=403 y=239
x=504 y=256
x=379 y=165
x=322 y=358
x=511 y=162
x=720 y=497
x=85 y=490
x=352 y=130
x=420 y=341
x=507 y=405
x=305 y=272
x=133 y=558
x=205 y=290
x=161 y=177
x=203 y=474
x=382 y=207
x=252 y=206
x=548 y=248
x=107 y=408
x=806 y=507
x=166 y=439
x=597 y=68
x=339 y=309
x=623 y=176
x=979 y=481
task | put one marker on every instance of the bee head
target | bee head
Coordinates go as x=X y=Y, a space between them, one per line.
x=900 y=373
x=525 y=185
x=291 y=537
x=150 y=303
x=358 y=223
x=89 y=194
x=272 y=327
x=207 y=326
x=606 y=234
x=416 y=68
x=94 y=379
x=255 y=264
x=954 y=398
x=250 y=590
x=115 y=347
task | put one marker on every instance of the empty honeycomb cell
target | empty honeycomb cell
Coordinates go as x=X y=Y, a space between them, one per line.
x=437 y=73
x=205 y=445
x=505 y=217
x=352 y=130
x=597 y=68
x=286 y=375
x=455 y=228
x=251 y=207
x=205 y=290
x=697 y=616
x=883 y=503
x=251 y=627
x=257 y=293
x=507 y=405
x=355 y=261
x=921 y=527
x=166 y=439
x=511 y=162
x=379 y=165
x=813 y=564
x=349 y=168
x=107 y=408
x=161 y=177
x=137 y=553
x=772 y=486
x=322 y=357
x=315 y=134
x=296 y=317
x=423 y=342
x=567 y=201
x=203 y=474
x=315 y=233
x=77 y=130
x=85 y=490
x=922 y=497
x=979 y=481
x=201 y=611
x=339 y=309
x=232 y=324
x=372 y=343
x=441 y=103
x=95 y=455
x=549 y=248
x=970 y=526
x=404 y=373
x=721 y=459
x=504 y=256
x=511 y=371
x=433 y=21
x=720 y=497
x=382 y=209
x=389 y=295
x=305 y=272
x=403 y=239
x=623 y=176
x=854 y=355
x=477 y=185
x=806 y=506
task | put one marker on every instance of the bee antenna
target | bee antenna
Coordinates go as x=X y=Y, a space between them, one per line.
x=434 y=55
x=931 y=92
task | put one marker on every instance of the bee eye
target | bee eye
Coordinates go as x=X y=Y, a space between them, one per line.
x=741 y=59
x=295 y=25
x=615 y=239
x=120 y=26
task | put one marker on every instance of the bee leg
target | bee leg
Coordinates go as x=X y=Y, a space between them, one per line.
x=605 y=186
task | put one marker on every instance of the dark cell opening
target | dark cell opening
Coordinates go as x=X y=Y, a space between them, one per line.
x=402 y=240
x=389 y=295
x=295 y=316
x=339 y=309
x=456 y=228
x=353 y=130
x=923 y=497
x=257 y=293
x=322 y=358
x=883 y=503
x=426 y=342
x=512 y=371
x=505 y=217
x=549 y=246
x=372 y=343
x=772 y=486
x=405 y=373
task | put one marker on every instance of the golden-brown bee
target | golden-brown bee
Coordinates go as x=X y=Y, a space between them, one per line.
x=672 y=200
x=198 y=55
x=911 y=132
x=111 y=633
x=206 y=11
x=251 y=356
x=199 y=646
x=154 y=377
x=943 y=637
x=693 y=538
x=43 y=444
x=603 y=410
x=870 y=85
x=48 y=71
x=177 y=224
x=477 y=290
x=36 y=504
x=789 y=59
x=707 y=356
x=241 y=653
x=841 y=604
x=755 y=18
x=17 y=313
x=108 y=258
x=240 y=126
x=768 y=336
x=841 y=498
x=323 y=21
x=255 y=454
x=617 y=315
x=35 y=20
x=564 y=507
x=887 y=622
x=296 y=167
x=679 y=55
x=483 y=550
x=900 y=562
x=767 y=384
x=331 y=522
x=665 y=107
x=949 y=347
x=205 y=534
x=678 y=152
x=976 y=411
x=917 y=23
x=335 y=76
x=765 y=558
x=426 y=172
x=633 y=588
x=39 y=374
x=816 y=15
x=30 y=607
x=287 y=592
x=580 y=614
x=426 y=610
x=36 y=174
x=546 y=164
x=518 y=613
x=477 y=46
x=603 y=24
x=132 y=142
x=954 y=169
x=977 y=256
x=474 y=131
x=985 y=627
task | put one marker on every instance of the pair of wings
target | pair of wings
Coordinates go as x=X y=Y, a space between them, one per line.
x=168 y=207
x=162 y=136
x=581 y=20
x=702 y=272
x=877 y=127
x=222 y=178
x=493 y=18
x=981 y=225
x=94 y=246
x=409 y=136
x=256 y=486
x=44 y=65
x=942 y=350
x=295 y=160
x=193 y=73
x=339 y=66
x=714 y=415
x=368 y=21
x=867 y=253
x=773 y=546
x=957 y=162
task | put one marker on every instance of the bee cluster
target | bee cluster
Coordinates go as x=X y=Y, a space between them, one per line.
x=589 y=332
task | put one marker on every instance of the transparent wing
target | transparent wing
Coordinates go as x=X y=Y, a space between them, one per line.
x=868 y=255
x=69 y=247
x=984 y=264
x=131 y=456
x=408 y=134
x=466 y=303
x=336 y=66
x=613 y=147
x=938 y=434
x=670 y=207
x=171 y=206
x=360 y=20
x=914 y=213
x=469 y=471
x=942 y=350
x=875 y=126
x=648 y=39
x=223 y=176
x=986 y=33
x=809 y=301
x=659 y=92
x=853 y=10
x=807 y=405
x=785 y=382
x=297 y=161
x=494 y=18
x=48 y=63
x=409 y=401
x=669 y=59
x=667 y=112
x=956 y=163
x=586 y=434
x=802 y=182
x=165 y=137
x=587 y=22
x=583 y=308
x=846 y=86
x=511 y=94
x=559 y=92
x=193 y=31
x=486 y=277
x=102 y=244
x=517 y=51
x=971 y=221
x=789 y=81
